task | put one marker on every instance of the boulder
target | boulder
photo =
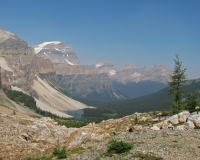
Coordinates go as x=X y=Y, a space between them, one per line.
x=195 y=119
x=155 y=128
x=183 y=116
x=162 y=125
x=76 y=138
x=174 y=119
x=159 y=125
x=190 y=124
x=25 y=135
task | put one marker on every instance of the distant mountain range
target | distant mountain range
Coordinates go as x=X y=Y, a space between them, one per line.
x=135 y=82
x=101 y=81
x=58 y=65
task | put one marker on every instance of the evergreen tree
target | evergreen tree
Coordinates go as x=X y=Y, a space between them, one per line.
x=192 y=101
x=177 y=80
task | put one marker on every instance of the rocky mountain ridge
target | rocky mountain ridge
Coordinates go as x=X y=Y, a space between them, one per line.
x=130 y=73
x=22 y=70
x=57 y=52
x=135 y=82
x=75 y=78
x=123 y=80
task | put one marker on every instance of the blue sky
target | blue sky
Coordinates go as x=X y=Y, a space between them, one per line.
x=142 y=32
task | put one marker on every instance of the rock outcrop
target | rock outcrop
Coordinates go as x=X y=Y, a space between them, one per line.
x=25 y=137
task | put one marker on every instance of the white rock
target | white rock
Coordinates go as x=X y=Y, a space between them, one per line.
x=25 y=135
x=174 y=119
x=159 y=125
x=190 y=124
x=155 y=128
x=76 y=138
x=183 y=116
x=195 y=119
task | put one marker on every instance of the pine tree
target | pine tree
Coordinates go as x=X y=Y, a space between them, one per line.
x=177 y=80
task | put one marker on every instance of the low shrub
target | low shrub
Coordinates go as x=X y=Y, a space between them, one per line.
x=60 y=153
x=119 y=147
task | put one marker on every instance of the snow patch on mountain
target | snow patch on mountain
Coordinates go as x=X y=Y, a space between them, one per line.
x=57 y=49
x=69 y=62
x=41 y=46
x=99 y=64
x=112 y=72
x=136 y=74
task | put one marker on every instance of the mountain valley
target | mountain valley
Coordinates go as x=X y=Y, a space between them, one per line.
x=130 y=105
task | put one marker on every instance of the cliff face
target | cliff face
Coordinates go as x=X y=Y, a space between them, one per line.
x=20 y=65
x=96 y=87
x=86 y=83
x=22 y=70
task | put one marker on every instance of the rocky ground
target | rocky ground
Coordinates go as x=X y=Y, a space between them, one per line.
x=22 y=137
x=154 y=137
x=167 y=145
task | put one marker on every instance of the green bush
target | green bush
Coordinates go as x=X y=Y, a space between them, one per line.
x=60 y=153
x=119 y=147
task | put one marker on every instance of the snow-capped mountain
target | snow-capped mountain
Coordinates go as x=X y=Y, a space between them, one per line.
x=130 y=73
x=133 y=81
x=75 y=78
x=57 y=52
x=72 y=76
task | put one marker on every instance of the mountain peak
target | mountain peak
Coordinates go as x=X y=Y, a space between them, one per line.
x=57 y=52
x=99 y=64
x=41 y=46
x=4 y=35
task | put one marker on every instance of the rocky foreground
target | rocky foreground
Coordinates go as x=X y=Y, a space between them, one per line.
x=155 y=136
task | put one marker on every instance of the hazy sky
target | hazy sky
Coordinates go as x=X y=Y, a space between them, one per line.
x=142 y=32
